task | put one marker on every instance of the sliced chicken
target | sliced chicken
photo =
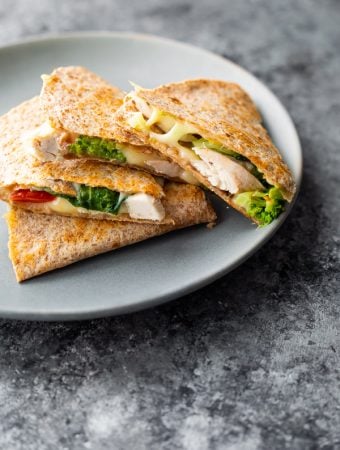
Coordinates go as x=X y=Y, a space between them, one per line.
x=224 y=172
x=45 y=141
x=144 y=206
x=42 y=142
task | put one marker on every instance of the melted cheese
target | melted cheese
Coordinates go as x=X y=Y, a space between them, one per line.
x=62 y=206
x=135 y=157
x=175 y=134
x=137 y=206
x=173 y=131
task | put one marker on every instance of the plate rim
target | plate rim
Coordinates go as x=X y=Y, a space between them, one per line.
x=93 y=313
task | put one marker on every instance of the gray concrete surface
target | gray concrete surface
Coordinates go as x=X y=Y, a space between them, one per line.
x=251 y=361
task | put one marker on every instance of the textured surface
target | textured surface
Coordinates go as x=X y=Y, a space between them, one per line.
x=250 y=362
x=77 y=100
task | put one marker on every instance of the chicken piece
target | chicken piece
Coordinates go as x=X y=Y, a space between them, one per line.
x=224 y=172
x=144 y=206
x=42 y=142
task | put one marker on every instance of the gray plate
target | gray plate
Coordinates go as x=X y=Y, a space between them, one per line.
x=162 y=268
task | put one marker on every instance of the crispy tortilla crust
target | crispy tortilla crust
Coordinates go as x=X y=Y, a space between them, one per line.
x=77 y=100
x=40 y=243
x=19 y=169
x=221 y=112
x=94 y=174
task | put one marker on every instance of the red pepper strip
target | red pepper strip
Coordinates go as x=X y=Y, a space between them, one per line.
x=26 y=195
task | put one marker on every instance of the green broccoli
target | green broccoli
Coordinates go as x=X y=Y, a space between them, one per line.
x=263 y=206
x=97 y=147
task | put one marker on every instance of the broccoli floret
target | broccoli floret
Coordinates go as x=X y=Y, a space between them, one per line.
x=263 y=206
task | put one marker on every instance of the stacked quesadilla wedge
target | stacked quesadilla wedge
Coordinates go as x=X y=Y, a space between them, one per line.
x=74 y=188
x=39 y=243
x=213 y=130
x=78 y=108
x=54 y=203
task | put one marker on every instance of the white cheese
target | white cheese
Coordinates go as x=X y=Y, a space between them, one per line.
x=144 y=206
x=137 y=121
x=172 y=137
x=134 y=157
x=165 y=122
x=62 y=206
x=173 y=131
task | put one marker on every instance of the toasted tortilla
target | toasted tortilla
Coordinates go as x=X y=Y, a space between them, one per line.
x=77 y=100
x=40 y=243
x=20 y=169
x=221 y=112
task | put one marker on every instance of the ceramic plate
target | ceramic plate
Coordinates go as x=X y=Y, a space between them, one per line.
x=162 y=268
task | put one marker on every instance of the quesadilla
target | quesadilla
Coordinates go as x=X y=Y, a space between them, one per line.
x=79 y=107
x=73 y=188
x=40 y=243
x=212 y=129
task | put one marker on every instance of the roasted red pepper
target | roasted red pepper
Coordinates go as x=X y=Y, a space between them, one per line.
x=26 y=195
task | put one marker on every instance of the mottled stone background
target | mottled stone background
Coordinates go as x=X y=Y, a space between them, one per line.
x=251 y=361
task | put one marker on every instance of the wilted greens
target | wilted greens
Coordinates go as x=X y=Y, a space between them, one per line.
x=95 y=198
x=97 y=147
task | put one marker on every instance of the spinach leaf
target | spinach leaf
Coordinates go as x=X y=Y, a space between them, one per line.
x=94 y=198
x=97 y=147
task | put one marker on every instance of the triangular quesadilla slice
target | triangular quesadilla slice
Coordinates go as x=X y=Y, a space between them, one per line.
x=213 y=129
x=39 y=243
x=73 y=188
x=79 y=108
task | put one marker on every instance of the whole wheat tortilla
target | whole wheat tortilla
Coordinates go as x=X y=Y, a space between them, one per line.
x=222 y=112
x=20 y=169
x=77 y=100
x=40 y=243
